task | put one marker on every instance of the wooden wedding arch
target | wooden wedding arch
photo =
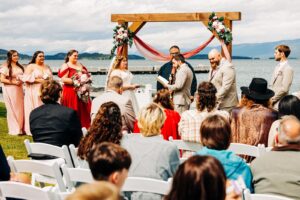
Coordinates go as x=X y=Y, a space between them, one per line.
x=139 y=20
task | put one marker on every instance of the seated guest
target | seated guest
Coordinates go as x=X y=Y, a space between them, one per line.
x=114 y=94
x=288 y=105
x=201 y=178
x=170 y=127
x=109 y=162
x=189 y=125
x=106 y=127
x=277 y=172
x=252 y=119
x=216 y=138
x=51 y=122
x=99 y=190
x=152 y=156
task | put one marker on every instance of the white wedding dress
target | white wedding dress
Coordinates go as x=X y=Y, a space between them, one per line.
x=127 y=77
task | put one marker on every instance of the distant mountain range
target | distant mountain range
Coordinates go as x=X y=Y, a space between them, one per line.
x=240 y=51
x=61 y=56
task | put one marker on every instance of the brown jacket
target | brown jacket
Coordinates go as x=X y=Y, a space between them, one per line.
x=251 y=126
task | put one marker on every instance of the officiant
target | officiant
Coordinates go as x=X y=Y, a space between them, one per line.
x=182 y=84
x=168 y=72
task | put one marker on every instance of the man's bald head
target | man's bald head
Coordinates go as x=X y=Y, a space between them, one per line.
x=214 y=57
x=115 y=83
x=289 y=130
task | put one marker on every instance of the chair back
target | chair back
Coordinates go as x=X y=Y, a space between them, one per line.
x=50 y=150
x=141 y=184
x=25 y=191
x=50 y=172
x=248 y=196
x=76 y=175
x=185 y=145
x=248 y=150
x=76 y=160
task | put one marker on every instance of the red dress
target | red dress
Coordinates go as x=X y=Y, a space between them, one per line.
x=71 y=100
x=170 y=127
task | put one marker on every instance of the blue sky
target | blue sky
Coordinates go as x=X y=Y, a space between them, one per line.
x=59 y=25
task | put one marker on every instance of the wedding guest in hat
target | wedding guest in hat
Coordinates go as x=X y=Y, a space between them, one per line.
x=252 y=119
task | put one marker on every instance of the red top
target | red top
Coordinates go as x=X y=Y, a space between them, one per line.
x=170 y=127
x=71 y=100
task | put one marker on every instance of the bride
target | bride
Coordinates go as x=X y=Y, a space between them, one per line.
x=120 y=68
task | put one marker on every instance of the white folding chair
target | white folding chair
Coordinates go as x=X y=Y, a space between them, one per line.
x=248 y=150
x=76 y=160
x=62 y=153
x=72 y=175
x=84 y=131
x=63 y=195
x=185 y=145
x=141 y=184
x=25 y=191
x=50 y=171
x=248 y=196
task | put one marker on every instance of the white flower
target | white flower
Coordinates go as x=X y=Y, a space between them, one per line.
x=83 y=78
x=120 y=37
x=76 y=83
x=215 y=17
x=221 y=26
x=125 y=35
x=121 y=29
x=215 y=24
x=45 y=76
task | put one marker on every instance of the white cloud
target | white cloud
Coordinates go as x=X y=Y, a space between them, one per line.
x=58 y=25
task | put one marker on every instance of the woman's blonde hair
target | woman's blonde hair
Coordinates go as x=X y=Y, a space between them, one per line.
x=100 y=190
x=151 y=119
x=118 y=61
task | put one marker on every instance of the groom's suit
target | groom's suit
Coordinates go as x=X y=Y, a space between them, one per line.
x=181 y=88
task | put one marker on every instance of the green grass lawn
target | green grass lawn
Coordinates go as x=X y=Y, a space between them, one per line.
x=12 y=145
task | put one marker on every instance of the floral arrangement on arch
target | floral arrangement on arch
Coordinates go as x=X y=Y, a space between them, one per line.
x=82 y=83
x=217 y=24
x=122 y=35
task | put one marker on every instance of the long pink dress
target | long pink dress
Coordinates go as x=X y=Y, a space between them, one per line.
x=14 y=101
x=32 y=90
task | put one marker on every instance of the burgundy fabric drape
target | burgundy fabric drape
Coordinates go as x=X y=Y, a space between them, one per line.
x=153 y=54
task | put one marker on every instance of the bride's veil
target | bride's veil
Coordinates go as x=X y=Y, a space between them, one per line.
x=109 y=72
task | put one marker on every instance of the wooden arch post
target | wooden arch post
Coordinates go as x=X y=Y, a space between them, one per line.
x=139 y=20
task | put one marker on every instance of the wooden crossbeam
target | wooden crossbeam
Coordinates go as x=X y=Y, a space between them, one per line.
x=173 y=17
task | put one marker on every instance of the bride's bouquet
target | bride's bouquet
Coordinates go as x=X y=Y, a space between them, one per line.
x=82 y=83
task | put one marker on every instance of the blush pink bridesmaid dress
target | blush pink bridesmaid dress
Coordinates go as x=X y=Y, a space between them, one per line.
x=13 y=97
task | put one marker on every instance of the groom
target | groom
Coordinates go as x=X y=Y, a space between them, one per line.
x=168 y=72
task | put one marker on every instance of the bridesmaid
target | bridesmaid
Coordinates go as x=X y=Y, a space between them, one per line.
x=70 y=99
x=36 y=73
x=13 y=92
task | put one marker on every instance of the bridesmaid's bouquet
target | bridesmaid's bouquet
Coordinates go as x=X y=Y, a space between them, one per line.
x=82 y=83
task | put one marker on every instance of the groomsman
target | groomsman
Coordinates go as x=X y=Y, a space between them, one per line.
x=182 y=84
x=282 y=77
x=222 y=75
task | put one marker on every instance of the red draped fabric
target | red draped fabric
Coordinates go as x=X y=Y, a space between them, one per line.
x=153 y=54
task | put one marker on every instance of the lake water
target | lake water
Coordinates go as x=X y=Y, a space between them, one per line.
x=245 y=70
